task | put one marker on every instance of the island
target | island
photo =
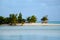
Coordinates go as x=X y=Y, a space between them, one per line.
x=13 y=19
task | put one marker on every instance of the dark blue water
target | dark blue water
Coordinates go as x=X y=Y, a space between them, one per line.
x=29 y=32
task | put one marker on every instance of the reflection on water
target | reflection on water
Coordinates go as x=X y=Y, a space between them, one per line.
x=29 y=32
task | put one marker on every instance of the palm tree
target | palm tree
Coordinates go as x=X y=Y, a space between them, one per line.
x=44 y=19
x=20 y=18
x=13 y=19
x=31 y=19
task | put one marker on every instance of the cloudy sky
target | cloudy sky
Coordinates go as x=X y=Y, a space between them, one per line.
x=39 y=8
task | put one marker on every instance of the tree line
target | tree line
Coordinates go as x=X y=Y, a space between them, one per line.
x=13 y=19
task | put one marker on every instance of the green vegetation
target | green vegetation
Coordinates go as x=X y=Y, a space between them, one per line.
x=44 y=19
x=7 y=20
x=31 y=19
x=28 y=19
x=13 y=19
x=1 y=20
x=20 y=18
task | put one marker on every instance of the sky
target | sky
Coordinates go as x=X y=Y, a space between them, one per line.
x=39 y=8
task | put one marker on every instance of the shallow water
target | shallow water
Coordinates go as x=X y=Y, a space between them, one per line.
x=29 y=32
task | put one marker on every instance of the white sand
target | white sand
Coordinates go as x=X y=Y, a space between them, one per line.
x=39 y=24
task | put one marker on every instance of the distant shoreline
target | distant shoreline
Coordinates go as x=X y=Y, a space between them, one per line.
x=33 y=24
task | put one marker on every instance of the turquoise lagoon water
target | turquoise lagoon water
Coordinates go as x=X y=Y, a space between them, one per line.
x=29 y=32
x=51 y=22
x=54 y=22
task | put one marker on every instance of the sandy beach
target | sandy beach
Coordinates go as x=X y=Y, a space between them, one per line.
x=38 y=24
x=32 y=24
